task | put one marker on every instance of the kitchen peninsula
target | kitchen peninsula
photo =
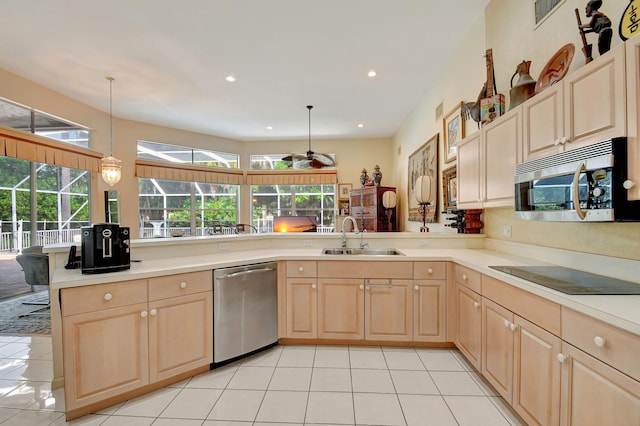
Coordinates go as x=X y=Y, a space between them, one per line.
x=454 y=266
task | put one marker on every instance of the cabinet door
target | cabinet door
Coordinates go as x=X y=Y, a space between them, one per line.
x=633 y=115
x=468 y=175
x=501 y=142
x=536 y=380
x=595 y=394
x=105 y=354
x=429 y=312
x=302 y=308
x=595 y=100
x=497 y=347
x=469 y=325
x=543 y=123
x=340 y=308
x=388 y=310
x=180 y=335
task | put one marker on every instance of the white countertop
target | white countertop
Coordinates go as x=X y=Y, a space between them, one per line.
x=621 y=311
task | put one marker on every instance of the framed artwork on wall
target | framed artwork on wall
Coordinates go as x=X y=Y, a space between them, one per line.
x=453 y=131
x=449 y=188
x=343 y=191
x=424 y=161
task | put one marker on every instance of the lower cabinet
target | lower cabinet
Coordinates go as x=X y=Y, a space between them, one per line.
x=520 y=360
x=429 y=311
x=468 y=334
x=302 y=308
x=120 y=337
x=340 y=308
x=388 y=310
x=593 y=393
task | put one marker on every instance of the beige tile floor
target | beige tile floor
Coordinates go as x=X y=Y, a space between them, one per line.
x=286 y=385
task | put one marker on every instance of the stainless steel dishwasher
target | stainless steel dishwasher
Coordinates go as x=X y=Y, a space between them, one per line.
x=245 y=310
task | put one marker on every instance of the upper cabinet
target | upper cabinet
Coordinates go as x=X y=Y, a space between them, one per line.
x=587 y=106
x=633 y=114
x=487 y=163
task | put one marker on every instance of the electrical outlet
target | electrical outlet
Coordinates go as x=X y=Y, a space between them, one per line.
x=425 y=243
x=224 y=246
x=308 y=243
x=506 y=231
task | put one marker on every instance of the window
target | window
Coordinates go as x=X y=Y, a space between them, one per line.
x=62 y=203
x=175 y=208
x=31 y=121
x=544 y=8
x=283 y=161
x=185 y=155
x=293 y=200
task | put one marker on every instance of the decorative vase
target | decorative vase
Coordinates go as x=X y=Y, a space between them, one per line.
x=377 y=175
x=364 y=177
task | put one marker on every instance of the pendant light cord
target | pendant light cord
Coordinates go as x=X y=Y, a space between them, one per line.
x=111 y=79
x=309 y=108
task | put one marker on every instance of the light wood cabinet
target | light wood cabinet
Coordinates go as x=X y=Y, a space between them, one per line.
x=341 y=308
x=367 y=208
x=487 y=163
x=536 y=374
x=497 y=347
x=105 y=353
x=468 y=173
x=593 y=393
x=120 y=337
x=429 y=302
x=302 y=308
x=633 y=115
x=469 y=325
x=587 y=106
x=388 y=310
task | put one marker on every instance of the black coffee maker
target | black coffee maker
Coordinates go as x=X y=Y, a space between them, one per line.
x=105 y=248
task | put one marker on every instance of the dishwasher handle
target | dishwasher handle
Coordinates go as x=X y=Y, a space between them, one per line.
x=248 y=272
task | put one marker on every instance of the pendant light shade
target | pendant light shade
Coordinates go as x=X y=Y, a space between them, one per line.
x=425 y=189
x=110 y=166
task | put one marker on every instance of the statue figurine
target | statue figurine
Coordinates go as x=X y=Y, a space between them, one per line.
x=599 y=24
x=377 y=175
x=364 y=177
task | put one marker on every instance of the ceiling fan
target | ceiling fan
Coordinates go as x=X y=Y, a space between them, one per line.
x=312 y=160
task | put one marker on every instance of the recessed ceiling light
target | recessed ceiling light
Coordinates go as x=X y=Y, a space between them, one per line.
x=230 y=78
x=360 y=125
x=371 y=73
x=269 y=128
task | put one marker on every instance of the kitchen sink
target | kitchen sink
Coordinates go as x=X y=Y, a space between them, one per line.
x=362 y=252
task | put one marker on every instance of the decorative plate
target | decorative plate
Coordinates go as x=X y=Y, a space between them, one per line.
x=556 y=68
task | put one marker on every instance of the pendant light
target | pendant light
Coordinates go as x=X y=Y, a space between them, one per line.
x=111 y=169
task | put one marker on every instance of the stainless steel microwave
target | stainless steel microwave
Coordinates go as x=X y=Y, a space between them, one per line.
x=585 y=184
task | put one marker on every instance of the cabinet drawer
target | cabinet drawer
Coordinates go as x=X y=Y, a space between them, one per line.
x=609 y=344
x=302 y=268
x=356 y=269
x=429 y=270
x=180 y=284
x=468 y=278
x=542 y=312
x=92 y=298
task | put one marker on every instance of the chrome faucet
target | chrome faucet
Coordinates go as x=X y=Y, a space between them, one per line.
x=344 y=235
x=363 y=244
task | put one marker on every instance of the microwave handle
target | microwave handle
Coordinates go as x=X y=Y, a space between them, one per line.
x=576 y=191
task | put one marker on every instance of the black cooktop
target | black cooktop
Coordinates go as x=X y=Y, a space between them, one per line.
x=571 y=281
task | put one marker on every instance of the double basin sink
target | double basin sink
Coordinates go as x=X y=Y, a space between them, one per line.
x=362 y=252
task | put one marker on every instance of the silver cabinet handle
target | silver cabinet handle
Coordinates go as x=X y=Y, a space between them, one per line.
x=108 y=297
x=153 y=312
x=313 y=286
x=183 y=284
x=143 y=314
x=562 y=357
x=599 y=341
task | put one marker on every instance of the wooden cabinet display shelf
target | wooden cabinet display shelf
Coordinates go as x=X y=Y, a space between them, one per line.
x=367 y=208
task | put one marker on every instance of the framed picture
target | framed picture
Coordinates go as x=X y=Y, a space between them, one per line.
x=453 y=131
x=449 y=188
x=422 y=162
x=343 y=191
